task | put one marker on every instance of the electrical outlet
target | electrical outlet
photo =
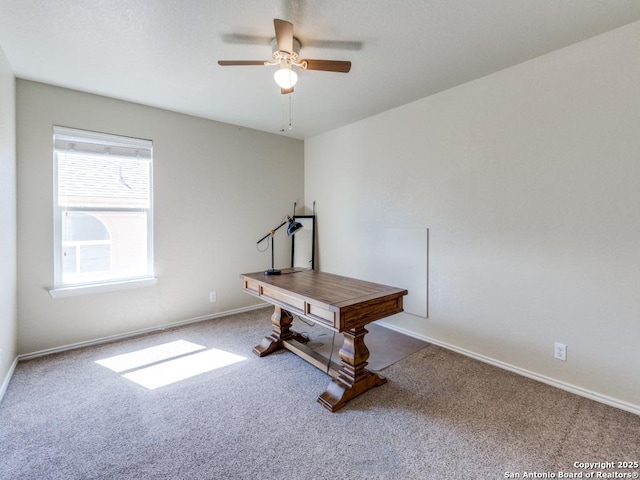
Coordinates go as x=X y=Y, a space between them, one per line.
x=212 y=297
x=560 y=351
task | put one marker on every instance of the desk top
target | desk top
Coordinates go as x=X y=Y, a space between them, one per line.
x=336 y=301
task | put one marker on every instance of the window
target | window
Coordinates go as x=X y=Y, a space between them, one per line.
x=102 y=209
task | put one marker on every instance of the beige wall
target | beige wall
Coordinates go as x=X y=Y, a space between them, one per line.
x=217 y=189
x=8 y=311
x=529 y=183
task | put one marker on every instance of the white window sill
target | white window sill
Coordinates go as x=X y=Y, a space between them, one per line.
x=102 y=287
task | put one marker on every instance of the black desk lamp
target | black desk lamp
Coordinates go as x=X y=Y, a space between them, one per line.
x=291 y=229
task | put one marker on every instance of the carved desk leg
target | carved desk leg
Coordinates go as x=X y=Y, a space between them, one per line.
x=353 y=378
x=280 y=330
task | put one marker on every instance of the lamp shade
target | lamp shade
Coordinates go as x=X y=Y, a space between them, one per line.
x=285 y=77
x=293 y=227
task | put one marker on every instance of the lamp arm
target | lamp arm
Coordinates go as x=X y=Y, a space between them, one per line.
x=272 y=232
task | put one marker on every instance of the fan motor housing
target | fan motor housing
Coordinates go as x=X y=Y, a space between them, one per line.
x=279 y=55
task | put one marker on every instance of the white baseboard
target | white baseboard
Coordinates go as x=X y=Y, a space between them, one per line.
x=7 y=379
x=613 y=402
x=136 y=333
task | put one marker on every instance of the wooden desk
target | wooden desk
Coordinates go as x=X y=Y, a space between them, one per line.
x=343 y=304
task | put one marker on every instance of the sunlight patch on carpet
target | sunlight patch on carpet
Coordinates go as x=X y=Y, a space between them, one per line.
x=147 y=356
x=169 y=363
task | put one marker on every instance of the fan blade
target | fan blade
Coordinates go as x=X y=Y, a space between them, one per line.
x=228 y=63
x=328 y=65
x=284 y=35
x=285 y=91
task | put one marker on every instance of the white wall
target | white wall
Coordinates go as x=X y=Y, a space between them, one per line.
x=529 y=183
x=217 y=189
x=8 y=310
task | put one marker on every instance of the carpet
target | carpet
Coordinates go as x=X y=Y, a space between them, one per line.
x=440 y=416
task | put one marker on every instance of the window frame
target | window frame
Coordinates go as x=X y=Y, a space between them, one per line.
x=106 y=141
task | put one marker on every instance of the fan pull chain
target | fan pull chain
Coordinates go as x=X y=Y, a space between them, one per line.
x=282 y=129
x=282 y=117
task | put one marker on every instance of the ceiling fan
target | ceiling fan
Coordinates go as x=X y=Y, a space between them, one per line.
x=286 y=54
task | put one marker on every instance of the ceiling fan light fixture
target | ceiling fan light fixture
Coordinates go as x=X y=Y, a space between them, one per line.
x=285 y=77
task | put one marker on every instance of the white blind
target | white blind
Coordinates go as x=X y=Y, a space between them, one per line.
x=97 y=144
x=102 y=170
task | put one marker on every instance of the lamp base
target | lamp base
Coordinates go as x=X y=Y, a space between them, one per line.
x=272 y=271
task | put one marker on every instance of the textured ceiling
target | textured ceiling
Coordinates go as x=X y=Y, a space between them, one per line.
x=164 y=52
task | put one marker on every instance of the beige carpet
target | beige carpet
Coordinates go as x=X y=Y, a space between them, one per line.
x=440 y=416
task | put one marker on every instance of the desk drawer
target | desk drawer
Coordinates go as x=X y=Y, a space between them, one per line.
x=321 y=315
x=252 y=286
x=296 y=304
